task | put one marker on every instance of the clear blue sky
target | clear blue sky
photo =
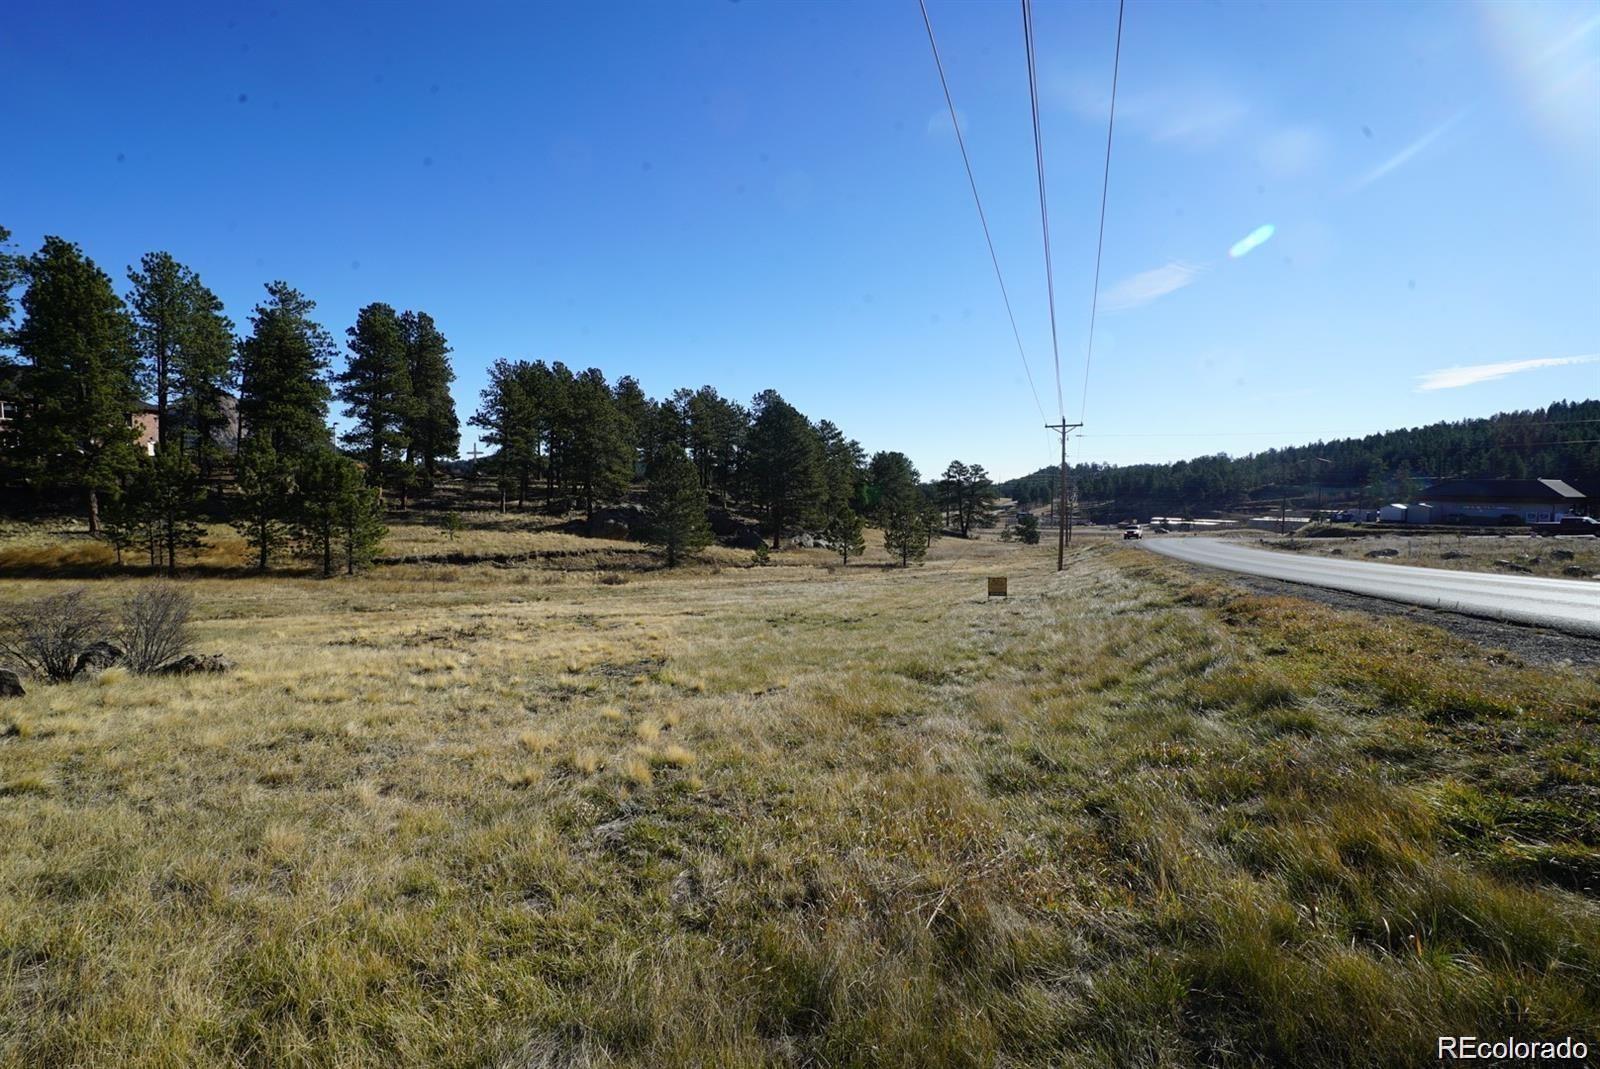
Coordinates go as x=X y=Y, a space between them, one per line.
x=760 y=194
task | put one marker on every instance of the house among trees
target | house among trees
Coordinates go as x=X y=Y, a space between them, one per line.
x=1493 y=500
x=143 y=416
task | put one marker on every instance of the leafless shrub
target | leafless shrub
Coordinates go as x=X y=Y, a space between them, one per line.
x=46 y=637
x=155 y=626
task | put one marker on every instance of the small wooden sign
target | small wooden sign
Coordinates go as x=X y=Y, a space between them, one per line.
x=997 y=586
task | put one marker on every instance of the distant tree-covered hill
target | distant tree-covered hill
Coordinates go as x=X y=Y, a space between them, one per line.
x=1558 y=442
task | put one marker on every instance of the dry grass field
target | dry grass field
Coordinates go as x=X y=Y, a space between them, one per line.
x=582 y=812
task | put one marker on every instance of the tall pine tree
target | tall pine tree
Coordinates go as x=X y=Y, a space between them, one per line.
x=431 y=429
x=283 y=394
x=186 y=344
x=261 y=513
x=676 y=505
x=375 y=387
x=783 y=466
x=75 y=431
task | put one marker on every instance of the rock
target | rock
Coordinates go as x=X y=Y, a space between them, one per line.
x=10 y=684
x=1336 y=552
x=1452 y=555
x=1562 y=554
x=1511 y=566
x=195 y=664
x=1383 y=552
x=1575 y=571
x=98 y=657
x=805 y=540
x=615 y=530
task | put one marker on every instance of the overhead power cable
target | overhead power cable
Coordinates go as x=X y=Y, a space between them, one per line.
x=1100 y=240
x=1044 y=210
x=982 y=218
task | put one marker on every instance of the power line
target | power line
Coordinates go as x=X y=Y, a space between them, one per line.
x=1105 y=185
x=982 y=218
x=1044 y=211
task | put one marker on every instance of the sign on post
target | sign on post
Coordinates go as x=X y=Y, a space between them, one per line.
x=997 y=586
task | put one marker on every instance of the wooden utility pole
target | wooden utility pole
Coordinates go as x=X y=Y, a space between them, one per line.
x=1061 y=510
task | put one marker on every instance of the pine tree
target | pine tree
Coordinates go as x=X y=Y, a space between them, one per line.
x=375 y=387
x=283 y=394
x=432 y=431
x=599 y=464
x=719 y=427
x=171 y=500
x=843 y=462
x=360 y=524
x=324 y=483
x=783 y=464
x=846 y=533
x=75 y=431
x=676 y=504
x=506 y=414
x=12 y=269
x=186 y=344
x=1028 y=529
x=909 y=528
x=262 y=511
x=121 y=523
x=638 y=419
x=910 y=522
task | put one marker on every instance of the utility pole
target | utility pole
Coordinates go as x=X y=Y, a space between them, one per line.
x=1061 y=511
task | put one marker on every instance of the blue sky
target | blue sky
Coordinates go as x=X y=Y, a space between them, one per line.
x=755 y=195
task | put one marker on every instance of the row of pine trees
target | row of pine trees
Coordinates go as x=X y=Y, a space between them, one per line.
x=90 y=354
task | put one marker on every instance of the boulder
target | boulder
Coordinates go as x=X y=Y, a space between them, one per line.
x=10 y=684
x=1452 y=555
x=1575 y=571
x=98 y=657
x=615 y=530
x=196 y=664
x=1511 y=566
x=1562 y=554
x=1383 y=552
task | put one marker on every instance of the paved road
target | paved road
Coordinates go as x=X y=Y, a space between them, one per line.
x=1564 y=604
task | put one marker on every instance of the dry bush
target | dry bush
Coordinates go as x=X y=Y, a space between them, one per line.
x=155 y=626
x=45 y=637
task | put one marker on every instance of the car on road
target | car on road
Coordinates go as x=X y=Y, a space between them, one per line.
x=1568 y=525
x=1132 y=532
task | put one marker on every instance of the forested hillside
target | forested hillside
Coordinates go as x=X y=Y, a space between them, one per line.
x=1558 y=442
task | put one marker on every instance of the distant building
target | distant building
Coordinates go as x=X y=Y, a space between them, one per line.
x=1494 y=501
x=142 y=416
x=1399 y=513
x=147 y=427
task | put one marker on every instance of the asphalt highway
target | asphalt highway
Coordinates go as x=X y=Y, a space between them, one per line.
x=1571 y=605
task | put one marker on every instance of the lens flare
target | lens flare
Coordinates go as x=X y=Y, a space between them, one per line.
x=1256 y=237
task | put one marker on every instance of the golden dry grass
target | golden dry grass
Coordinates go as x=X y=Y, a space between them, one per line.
x=793 y=815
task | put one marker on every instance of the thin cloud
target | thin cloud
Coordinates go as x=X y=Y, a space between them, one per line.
x=939 y=122
x=1452 y=377
x=1405 y=155
x=1191 y=116
x=1148 y=286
